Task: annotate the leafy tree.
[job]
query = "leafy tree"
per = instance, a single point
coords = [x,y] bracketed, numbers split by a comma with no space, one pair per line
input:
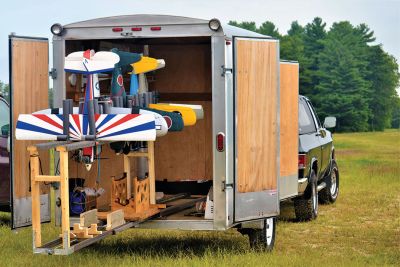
[266,28]
[292,48]
[366,33]
[384,78]
[395,123]
[342,90]
[314,35]
[342,71]
[295,29]
[248,25]
[269,28]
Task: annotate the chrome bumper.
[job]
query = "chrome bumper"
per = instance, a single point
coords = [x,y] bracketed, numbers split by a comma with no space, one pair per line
[302,185]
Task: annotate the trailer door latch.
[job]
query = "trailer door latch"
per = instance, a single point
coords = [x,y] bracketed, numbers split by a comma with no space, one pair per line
[225,70]
[53,73]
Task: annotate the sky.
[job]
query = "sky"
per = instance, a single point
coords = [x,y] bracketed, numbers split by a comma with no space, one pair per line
[34,18]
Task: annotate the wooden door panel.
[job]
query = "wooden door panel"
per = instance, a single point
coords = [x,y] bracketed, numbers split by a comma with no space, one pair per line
[256,102]
[29,58]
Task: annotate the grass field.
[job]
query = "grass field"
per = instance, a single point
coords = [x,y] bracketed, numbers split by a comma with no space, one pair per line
[361,228]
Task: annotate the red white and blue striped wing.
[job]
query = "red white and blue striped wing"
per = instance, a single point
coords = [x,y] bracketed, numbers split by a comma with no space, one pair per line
[109,127]
[39,127]
[125,127]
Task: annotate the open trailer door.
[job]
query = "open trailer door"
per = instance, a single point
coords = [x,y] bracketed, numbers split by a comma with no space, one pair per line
[256,78]
[289,133]
[29,85]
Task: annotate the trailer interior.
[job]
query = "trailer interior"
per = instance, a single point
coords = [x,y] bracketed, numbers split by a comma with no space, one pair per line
[183,160]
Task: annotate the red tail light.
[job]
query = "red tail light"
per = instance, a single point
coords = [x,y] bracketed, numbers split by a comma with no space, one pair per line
[136,29]
[157,28]
[118,29]
[302,161]
[220,142]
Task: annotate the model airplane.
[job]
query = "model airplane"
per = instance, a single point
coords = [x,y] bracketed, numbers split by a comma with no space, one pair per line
[87,125]
[187,113]
[144,65]
[134,63]
[121,123]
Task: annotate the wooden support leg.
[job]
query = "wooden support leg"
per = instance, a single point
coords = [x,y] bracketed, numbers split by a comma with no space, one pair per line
[141,198]
[152,175]
[35,187]
[64,197]
[127,170]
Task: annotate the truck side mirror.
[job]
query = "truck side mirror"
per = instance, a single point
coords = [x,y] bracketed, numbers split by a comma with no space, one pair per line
[5,130]
[330,122]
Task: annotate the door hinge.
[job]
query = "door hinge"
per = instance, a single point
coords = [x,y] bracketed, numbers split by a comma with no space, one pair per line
[225,70]
[53,73]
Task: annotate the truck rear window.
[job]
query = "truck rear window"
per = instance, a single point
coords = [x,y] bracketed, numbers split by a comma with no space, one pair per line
[306,123]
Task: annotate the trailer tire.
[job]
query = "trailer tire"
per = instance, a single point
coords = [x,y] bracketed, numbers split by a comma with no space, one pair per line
[263,239]
[306,206]
[329,194]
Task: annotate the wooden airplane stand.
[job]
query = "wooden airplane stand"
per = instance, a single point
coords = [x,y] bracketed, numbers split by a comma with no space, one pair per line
[36,179]
[139,204]
[138,208]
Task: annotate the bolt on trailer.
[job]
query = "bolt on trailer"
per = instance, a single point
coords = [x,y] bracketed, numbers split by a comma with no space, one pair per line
[228,162]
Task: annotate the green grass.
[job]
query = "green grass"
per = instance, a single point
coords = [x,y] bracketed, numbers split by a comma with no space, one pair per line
[361,228]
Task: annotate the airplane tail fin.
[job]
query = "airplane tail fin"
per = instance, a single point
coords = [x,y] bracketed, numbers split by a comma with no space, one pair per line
[80,62]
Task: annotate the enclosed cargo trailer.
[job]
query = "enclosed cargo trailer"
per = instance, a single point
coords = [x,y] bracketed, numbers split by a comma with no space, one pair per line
[234,152]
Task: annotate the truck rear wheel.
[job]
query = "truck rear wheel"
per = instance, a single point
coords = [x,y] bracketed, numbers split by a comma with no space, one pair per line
[263,239]
[306,206]
[330,193]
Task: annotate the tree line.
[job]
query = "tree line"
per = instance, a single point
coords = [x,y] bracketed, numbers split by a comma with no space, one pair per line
[343,72]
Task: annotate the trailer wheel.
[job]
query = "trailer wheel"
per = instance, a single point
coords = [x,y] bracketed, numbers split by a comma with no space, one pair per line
[263,239]
[306,206]
[330,193]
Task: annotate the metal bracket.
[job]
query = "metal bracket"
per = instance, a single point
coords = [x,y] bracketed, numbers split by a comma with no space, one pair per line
[225,70]
[53,73]
[55,185]
[225,186]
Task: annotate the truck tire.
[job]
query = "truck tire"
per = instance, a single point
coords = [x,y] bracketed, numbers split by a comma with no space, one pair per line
[330,193]
[306,206]
[263,239]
